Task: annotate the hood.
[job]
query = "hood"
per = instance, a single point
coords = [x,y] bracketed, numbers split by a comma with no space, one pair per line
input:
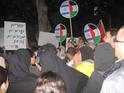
[19,63]
[86,53]
[50,62]
[104,57]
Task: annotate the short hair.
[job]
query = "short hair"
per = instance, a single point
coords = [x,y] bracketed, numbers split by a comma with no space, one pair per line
[31,52]
[50,47]
[50,82]
[82,38]
[71,51]
[113,31]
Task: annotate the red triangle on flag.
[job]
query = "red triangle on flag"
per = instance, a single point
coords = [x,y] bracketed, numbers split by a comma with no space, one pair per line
[70,9]
[61,33]
[102,30]
[91,32]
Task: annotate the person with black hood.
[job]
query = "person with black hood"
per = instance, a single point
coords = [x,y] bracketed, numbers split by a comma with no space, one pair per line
[104,59]
[74,80]
[20,78]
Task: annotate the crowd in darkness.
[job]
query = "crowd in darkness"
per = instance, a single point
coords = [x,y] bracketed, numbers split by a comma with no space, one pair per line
[82,68]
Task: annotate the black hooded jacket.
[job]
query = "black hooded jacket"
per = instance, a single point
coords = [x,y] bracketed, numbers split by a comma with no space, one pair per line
[74,80]
[104,60]
[20,79]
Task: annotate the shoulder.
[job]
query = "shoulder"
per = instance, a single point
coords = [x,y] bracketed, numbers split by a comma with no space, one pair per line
[114,82]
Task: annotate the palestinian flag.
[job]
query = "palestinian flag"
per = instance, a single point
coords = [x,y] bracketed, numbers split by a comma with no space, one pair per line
[69,9]
[92,33]
[60,32]
[102,30]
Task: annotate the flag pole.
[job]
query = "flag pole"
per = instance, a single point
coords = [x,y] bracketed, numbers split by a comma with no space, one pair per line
[71,28]
[60,43]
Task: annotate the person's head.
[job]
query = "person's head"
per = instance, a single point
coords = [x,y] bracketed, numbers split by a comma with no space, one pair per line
[71,43]
[119,44]
[19,64]
[70,53]
[110,35]
[50,47]
[80,41]
[3,76]
[33,56]
[85,53]
[50,82]
[61,52]
[103,57]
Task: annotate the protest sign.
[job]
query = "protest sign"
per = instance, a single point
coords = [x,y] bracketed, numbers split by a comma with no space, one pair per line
[14,35]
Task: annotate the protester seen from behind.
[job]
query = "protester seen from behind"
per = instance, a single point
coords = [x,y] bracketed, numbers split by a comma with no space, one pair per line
[50,82]
[114,83]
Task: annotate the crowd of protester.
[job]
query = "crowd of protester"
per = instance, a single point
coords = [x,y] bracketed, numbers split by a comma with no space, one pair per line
[82,67]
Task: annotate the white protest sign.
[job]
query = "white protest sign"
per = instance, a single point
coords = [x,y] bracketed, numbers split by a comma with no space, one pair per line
[1,37]
[14,35]
[46,37]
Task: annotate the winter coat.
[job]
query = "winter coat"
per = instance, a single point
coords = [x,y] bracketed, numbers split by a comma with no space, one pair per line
[74,80]
[20,78]
[103,61]
[115,82]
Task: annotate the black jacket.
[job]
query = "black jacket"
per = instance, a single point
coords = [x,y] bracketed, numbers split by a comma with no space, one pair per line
[20,78]
[74,80]
[104,60]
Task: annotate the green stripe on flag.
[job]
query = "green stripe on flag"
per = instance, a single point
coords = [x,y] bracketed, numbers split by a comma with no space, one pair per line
[97,39]
[74,13]
[63,38]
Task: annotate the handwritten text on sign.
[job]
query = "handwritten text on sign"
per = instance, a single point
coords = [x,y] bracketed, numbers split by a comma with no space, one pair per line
[15,35]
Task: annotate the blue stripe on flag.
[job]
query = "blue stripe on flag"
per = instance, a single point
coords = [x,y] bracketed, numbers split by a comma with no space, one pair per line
[57,29]
[65,13]
[86,30]
[65,6]
[89,39]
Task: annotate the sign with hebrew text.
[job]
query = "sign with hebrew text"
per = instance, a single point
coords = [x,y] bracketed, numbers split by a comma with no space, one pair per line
[14,35]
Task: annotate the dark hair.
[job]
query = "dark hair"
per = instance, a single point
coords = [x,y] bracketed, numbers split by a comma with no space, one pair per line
[82,38]
[71,51]
[31,52]
[50,82]
[113,31]
[50,47]
[3,75]
[87,53]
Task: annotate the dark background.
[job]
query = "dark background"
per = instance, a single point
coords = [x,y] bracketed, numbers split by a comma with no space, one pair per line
[110,11]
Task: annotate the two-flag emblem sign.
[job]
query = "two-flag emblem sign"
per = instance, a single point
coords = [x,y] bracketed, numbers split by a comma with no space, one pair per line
[69,9]
[60,32]
[92,33]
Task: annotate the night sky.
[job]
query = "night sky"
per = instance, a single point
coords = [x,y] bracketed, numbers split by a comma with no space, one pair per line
[110,11]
